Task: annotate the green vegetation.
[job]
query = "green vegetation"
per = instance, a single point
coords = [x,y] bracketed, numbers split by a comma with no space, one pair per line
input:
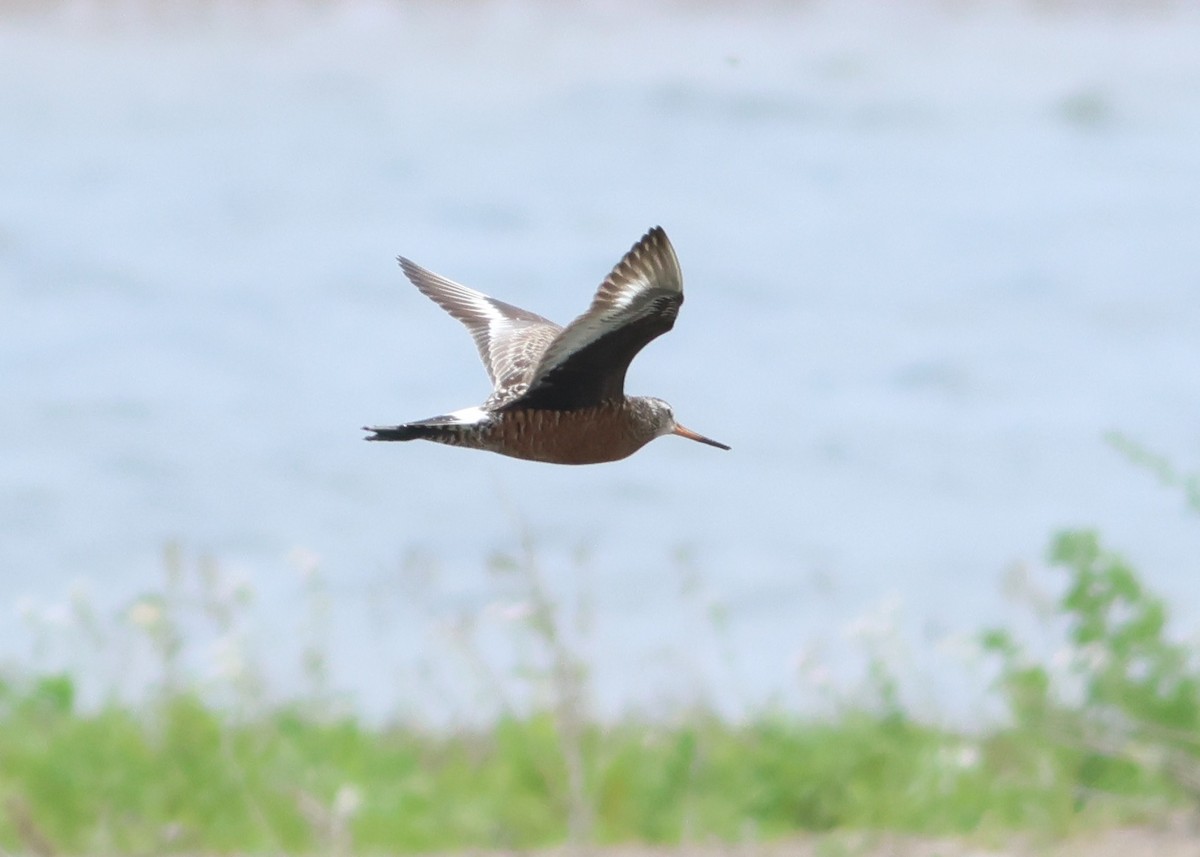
[1104,726]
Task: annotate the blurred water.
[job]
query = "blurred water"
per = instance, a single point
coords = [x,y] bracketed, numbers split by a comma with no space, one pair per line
[932,256]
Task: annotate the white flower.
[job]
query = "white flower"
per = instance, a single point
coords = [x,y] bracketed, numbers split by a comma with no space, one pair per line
[229,661]
[347,801]
[1093,656]
[305,561]
[58,615]
[876,625]
[26,609]
[510,611]
[967,757]
[146,614]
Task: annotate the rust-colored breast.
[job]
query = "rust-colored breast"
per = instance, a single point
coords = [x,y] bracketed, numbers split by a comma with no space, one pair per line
[608,432]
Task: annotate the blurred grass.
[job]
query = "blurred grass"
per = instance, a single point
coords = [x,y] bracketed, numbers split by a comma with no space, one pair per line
[1119,741]
[187,777]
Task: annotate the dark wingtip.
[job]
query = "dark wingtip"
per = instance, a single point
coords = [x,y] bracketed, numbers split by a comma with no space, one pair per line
[656,235]
[652,259]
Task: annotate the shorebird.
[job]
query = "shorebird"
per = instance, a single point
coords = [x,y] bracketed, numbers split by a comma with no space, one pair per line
[559,392]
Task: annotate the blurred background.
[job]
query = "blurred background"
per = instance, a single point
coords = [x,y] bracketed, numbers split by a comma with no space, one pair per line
[943,277]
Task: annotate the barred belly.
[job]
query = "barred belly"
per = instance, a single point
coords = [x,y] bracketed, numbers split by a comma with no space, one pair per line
[607,432]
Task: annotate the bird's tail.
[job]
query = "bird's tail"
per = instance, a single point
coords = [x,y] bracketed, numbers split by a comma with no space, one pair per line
[449,428]
[411,431]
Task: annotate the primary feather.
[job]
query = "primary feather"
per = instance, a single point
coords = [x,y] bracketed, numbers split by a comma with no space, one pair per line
[510,340]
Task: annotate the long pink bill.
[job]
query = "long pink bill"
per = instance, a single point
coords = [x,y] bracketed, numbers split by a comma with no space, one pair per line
[691,435]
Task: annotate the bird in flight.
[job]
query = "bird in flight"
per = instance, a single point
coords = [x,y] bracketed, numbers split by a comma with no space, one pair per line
[559,392]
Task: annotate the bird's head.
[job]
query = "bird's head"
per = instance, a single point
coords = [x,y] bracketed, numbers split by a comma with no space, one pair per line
[663,419]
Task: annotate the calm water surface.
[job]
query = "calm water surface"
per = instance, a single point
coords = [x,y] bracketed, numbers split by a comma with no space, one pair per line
[931,259]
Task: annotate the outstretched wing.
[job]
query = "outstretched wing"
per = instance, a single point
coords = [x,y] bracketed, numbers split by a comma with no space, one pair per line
[586,363]
[510,340]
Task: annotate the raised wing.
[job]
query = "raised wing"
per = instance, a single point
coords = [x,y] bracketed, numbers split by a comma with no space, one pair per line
[586,363]
[510,340]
